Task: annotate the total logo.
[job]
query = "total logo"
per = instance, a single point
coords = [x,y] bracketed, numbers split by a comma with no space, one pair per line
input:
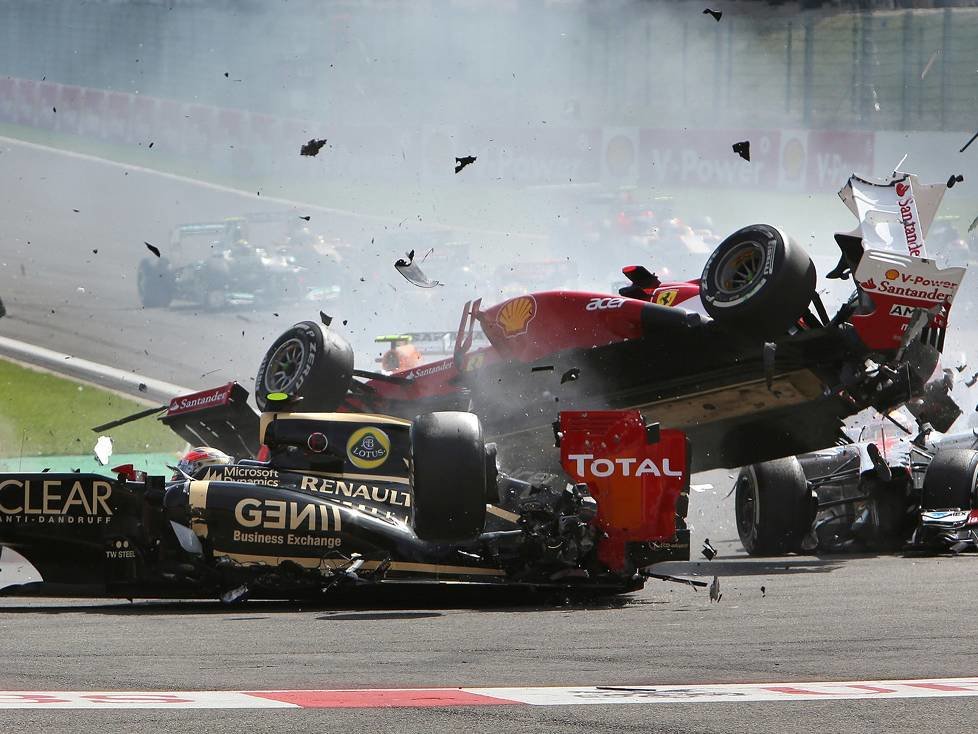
[586,464]
[604,304]
[368,447]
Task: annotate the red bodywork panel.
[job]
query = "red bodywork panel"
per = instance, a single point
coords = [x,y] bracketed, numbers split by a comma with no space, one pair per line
[898,285]
[675,294]
[537,325]
[636,483]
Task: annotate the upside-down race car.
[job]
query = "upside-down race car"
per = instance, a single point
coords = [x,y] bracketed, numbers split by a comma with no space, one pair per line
[348,498]
[745,359]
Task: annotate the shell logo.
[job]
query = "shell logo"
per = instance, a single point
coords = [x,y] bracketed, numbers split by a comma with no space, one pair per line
[515,316]
[892,274]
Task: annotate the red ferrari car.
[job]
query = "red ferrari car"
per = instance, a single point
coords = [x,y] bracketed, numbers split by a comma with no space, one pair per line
[737,383]
[744,359]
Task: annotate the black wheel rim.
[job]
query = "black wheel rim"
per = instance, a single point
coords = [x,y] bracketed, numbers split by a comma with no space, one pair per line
[740,269]
[284,365]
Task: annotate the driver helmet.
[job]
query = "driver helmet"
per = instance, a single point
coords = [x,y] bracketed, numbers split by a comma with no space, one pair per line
[197,458]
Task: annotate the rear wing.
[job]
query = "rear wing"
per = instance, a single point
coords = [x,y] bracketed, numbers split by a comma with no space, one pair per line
[220,418]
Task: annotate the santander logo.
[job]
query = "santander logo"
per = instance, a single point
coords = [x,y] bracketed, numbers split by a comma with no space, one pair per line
[901,189]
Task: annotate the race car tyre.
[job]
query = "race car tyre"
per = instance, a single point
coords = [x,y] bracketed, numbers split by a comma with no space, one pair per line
[951,481]
[758,281]
[215,281]
[307,361]
[774,506]
[448,466]
[154,281]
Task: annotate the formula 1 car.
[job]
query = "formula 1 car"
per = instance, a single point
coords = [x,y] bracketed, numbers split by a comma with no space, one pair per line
[886,494]
[346,499]
[214,264]
[733,357]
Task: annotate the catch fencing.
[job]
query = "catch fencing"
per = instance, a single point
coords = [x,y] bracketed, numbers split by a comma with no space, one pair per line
[564,63]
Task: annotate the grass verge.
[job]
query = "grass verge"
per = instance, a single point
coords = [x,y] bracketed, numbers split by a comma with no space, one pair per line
[42,414]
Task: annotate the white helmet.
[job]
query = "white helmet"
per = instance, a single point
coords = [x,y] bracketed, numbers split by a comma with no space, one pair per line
[197,458]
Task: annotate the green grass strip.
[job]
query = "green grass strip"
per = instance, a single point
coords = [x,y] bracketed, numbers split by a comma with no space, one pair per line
[42,414]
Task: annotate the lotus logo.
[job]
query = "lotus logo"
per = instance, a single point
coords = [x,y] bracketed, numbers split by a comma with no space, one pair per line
[368,447]
[892,274]
[901,189]
[515,315]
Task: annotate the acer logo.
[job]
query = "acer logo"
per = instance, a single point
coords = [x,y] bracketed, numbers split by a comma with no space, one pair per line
[587,464]
[604,304]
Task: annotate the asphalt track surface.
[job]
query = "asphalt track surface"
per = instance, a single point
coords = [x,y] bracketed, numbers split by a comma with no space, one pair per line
[829,618]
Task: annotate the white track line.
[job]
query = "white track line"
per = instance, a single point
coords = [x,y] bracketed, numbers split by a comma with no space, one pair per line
[190,180]
[100,374]
[297,205]
[535,696]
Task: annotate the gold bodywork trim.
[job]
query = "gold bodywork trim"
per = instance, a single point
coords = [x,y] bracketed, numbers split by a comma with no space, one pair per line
[328,474]
[359,477]
[738,400]
[453,570]
[504,514]
[309,562]
[198,503]
[731,401]
[388,420]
